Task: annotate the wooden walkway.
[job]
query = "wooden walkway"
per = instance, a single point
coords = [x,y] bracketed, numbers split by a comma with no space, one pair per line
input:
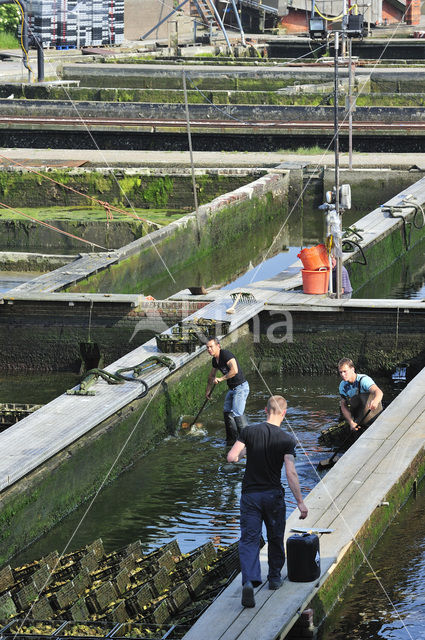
[344,500]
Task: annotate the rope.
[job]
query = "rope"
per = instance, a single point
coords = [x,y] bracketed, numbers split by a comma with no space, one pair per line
[118,378]
[106,205]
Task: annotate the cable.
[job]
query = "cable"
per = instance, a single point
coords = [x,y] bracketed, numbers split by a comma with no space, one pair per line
[49,226]
[338,510]
[106,205]
[359,247]
[28,66]
[336,18]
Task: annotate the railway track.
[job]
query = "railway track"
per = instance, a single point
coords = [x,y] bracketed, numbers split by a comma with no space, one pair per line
[205,124]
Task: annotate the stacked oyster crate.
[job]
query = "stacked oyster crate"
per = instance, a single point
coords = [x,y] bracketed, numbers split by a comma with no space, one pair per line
[186,336]
[67,24]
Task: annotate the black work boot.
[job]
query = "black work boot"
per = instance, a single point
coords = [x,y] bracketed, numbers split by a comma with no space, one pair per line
[231,428]
[241,423]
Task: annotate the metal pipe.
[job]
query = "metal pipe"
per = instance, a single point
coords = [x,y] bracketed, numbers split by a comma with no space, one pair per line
[350,106]
[220,22]
[336,147]
[238,20]
[195,195]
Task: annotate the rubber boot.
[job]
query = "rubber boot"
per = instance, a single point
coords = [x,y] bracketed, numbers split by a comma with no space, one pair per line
[241,423]
[231,428]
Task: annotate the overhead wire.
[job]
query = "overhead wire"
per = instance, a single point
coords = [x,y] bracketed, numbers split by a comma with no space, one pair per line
[50,226]
[326,151]
[337,508]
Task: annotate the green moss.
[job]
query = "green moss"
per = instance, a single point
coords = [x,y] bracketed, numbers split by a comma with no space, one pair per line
[158,191]
[366,539]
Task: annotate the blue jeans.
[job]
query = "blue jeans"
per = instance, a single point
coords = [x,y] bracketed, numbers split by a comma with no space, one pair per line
[256,508]
[235,399]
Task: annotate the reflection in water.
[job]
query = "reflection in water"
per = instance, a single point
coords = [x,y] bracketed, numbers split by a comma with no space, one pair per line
[11,279]
[386,601]
[35,388]
[183,488]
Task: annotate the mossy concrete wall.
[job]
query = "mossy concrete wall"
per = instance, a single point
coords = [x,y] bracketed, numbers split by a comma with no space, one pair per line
[122,188]
[144,189]
[221,226]
[384,252]
[377,340]
[137,110]
[366,539]
[45,335]
[37,502]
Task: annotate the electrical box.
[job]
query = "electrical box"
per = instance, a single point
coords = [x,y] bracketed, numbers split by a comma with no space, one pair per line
[355,26]
[317,28]
[344,196]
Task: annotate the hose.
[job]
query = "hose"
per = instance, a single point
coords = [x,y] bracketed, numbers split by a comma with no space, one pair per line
[407,225]
[118,378]
[355,244]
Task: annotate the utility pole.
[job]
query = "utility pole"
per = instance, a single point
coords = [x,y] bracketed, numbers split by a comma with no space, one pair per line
[336,149]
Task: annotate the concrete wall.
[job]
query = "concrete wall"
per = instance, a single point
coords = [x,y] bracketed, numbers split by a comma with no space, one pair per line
[46,335]
[376,340]
[245,113]
[142,15]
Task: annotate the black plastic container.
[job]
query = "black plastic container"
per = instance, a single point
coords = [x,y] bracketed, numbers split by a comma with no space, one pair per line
[303,557]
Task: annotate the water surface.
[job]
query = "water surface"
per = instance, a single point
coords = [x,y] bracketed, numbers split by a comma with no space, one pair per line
[386,600]
[183,488]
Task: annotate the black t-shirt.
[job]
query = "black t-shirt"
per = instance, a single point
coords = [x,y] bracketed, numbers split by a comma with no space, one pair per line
[221,364]
[266,446]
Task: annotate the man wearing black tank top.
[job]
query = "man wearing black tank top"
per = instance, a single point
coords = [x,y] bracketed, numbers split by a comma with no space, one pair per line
[238,388]
[267,448]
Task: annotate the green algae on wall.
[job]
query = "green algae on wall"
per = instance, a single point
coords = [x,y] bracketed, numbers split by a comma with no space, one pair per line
[117,187]
[366,539]
[383,253]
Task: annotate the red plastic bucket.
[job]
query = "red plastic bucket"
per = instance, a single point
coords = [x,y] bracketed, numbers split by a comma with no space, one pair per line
[316,281]
[314,257]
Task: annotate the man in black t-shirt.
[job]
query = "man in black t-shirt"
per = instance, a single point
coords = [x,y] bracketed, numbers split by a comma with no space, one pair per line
[267,448]
[238,388]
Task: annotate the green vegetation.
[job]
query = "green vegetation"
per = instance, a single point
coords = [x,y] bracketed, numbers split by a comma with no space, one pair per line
[9,17]
[84,214]
[8,40]
[306,151]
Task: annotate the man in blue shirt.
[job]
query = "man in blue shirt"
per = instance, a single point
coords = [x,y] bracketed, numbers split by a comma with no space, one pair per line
[359,395]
